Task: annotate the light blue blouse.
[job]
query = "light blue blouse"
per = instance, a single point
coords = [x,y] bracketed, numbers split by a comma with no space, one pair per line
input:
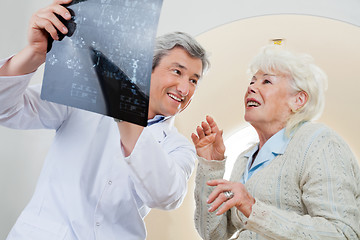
[273,147]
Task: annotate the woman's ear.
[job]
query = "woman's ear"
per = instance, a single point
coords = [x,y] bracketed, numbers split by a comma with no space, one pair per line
[299,100]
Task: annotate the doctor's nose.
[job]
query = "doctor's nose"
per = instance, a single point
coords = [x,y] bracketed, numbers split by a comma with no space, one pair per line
[183,87]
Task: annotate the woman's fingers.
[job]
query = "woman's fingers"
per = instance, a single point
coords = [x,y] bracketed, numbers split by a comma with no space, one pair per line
[200,132]
[206,128]
[212,124]
[220,199]
[228,204]
[221,186]
[216,182]
[240,198]
[209,126]
[208,143]
[195,139]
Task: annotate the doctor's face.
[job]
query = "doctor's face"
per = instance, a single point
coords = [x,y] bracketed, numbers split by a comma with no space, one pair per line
[173,83]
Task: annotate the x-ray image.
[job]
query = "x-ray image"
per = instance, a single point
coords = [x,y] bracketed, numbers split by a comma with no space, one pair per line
[104,63]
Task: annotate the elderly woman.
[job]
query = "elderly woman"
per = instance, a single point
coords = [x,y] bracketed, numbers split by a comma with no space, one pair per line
[300,181]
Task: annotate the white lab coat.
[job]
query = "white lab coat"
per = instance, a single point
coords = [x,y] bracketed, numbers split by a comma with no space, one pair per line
[87,189]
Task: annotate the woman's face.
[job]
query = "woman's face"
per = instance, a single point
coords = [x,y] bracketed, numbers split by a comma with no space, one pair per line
[268,100]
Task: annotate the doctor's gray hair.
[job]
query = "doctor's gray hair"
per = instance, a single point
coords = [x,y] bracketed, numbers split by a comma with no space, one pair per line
[304,76]
[167,42]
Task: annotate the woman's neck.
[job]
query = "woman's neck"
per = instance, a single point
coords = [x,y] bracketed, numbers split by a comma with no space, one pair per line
[266,133]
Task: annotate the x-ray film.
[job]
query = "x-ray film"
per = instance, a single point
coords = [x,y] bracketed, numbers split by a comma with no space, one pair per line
[104,63]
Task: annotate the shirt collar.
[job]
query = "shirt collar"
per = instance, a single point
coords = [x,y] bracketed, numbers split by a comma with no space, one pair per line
[277,143]
[274,146]
[157,119]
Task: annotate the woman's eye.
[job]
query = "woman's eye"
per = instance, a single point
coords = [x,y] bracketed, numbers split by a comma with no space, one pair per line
[266,81]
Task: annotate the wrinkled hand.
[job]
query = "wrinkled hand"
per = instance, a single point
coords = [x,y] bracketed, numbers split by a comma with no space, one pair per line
[208,142]
[45,22]
[241,199]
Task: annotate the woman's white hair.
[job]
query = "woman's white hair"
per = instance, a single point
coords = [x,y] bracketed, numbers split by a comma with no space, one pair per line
[304,76]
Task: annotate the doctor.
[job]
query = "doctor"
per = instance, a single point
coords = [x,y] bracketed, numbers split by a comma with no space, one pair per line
[101,177]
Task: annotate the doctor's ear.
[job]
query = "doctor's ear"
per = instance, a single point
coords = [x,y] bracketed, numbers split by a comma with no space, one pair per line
[299,100]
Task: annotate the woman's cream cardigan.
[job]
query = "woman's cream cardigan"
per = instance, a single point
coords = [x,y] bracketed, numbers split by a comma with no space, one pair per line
[312,191]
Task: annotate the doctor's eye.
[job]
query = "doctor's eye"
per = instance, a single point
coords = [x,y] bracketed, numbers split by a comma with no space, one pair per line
[176,71]
[194,81]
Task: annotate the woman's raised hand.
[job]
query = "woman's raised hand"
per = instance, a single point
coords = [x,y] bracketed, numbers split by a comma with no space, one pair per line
[208,141]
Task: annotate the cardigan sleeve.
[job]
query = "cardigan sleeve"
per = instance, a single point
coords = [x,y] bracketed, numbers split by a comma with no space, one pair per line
[209,225]
[329,181]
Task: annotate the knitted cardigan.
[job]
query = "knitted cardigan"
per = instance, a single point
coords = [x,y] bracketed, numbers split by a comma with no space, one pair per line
[312,191]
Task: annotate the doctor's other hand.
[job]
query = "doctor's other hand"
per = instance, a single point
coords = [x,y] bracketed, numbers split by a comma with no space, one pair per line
[208,140]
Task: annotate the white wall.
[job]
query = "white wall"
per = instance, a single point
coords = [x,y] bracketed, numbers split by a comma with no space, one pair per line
[22,152]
